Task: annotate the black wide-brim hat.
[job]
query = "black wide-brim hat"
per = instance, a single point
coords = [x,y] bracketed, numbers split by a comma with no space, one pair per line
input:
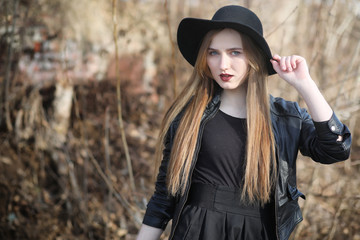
[191,31]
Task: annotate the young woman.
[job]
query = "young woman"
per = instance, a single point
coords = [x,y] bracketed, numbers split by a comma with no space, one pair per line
[227,151]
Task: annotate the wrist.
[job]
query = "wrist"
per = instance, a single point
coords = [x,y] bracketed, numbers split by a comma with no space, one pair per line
[315,101]
[306,87]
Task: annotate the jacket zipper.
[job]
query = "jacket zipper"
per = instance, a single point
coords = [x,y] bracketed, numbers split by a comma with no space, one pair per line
[192,170]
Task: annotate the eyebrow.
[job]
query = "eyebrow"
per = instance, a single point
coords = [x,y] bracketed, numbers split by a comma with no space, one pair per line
[229,49]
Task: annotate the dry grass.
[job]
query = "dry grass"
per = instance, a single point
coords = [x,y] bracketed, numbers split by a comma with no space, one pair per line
[74,183]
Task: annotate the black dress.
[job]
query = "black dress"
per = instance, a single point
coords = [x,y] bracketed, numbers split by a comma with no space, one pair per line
[214,210]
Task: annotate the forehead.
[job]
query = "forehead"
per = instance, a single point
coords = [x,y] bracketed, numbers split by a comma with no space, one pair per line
[227,38]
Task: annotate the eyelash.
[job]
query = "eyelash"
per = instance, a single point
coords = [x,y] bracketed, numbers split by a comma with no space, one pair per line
[212,53]
[233,53]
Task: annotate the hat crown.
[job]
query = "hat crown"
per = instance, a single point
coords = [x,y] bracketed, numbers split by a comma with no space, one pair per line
[239,15]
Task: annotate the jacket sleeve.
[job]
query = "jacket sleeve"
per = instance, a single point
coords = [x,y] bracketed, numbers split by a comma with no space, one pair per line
[325,142]
[161,205]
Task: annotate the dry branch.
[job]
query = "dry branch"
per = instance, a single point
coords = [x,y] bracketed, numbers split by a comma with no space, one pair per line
[9,60]
[107,167]
[335,220]
[118,91]
[306,206]
[68,194]
[116,192]
[354,57]
[282,23]
[172,44]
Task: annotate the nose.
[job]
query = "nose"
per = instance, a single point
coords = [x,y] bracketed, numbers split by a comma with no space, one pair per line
[224,62]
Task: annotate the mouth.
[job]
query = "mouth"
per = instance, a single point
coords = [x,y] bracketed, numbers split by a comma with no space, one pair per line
[226,77]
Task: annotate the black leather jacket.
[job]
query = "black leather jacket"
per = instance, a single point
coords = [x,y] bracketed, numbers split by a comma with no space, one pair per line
[293,130]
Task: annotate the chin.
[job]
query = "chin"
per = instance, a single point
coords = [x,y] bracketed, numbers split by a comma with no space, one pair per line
[228,86]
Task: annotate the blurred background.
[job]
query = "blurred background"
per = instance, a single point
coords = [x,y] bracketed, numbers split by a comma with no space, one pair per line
[84,86]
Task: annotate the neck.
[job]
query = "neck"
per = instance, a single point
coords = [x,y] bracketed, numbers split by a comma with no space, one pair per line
[233,102]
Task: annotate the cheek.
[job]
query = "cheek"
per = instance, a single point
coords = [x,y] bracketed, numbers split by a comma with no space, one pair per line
[243,65]
[211,64]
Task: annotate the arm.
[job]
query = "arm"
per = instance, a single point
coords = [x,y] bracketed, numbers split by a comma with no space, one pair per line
[160,208]
[325,142]
[324,138]
[149,233]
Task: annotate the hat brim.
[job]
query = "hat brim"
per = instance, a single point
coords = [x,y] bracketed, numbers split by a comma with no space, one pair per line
[191,31]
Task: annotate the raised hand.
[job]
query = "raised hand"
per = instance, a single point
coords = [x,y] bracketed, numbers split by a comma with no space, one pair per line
[293,69]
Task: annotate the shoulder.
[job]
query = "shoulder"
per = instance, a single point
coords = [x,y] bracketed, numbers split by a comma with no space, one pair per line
[213,104]
[282,107]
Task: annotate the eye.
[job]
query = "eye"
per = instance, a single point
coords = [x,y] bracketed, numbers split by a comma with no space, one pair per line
[235,53]
[212,53]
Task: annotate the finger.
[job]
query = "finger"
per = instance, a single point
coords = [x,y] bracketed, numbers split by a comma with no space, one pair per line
[294,59]
[275,65]
[282,63]
[288,64]
[276,57]
[300,60]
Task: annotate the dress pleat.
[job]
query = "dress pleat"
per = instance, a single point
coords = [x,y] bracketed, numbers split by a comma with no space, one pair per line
[198,223]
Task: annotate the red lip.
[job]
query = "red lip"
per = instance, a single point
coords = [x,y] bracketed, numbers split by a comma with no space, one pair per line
[225,77]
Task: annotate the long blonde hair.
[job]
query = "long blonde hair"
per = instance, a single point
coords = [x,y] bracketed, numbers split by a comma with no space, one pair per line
[260,170]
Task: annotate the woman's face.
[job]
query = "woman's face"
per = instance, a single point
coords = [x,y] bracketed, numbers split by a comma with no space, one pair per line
[226,59]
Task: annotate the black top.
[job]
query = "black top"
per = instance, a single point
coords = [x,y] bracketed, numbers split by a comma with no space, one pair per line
[221,162]
[222,153]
